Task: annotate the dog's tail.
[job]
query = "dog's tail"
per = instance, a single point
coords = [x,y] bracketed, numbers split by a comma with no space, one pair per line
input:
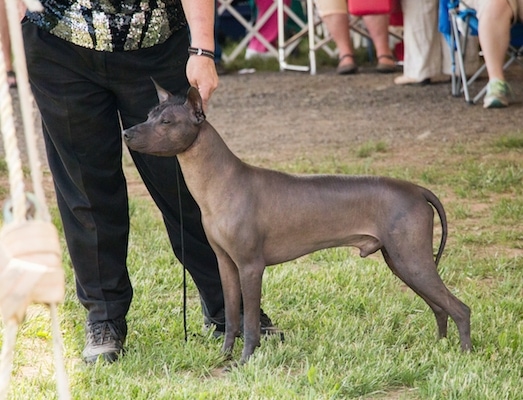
[436,203]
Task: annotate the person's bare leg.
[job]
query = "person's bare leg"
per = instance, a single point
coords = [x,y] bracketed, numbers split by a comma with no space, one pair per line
[378,27]
[338,27]
[494,35]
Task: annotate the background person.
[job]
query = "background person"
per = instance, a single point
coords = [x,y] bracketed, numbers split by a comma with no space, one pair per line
[334,14]
[426,55]
[495,18]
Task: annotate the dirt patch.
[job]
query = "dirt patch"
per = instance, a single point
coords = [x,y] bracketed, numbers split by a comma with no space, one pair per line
[276,116]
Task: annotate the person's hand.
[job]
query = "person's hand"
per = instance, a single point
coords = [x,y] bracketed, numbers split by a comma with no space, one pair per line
[201,73]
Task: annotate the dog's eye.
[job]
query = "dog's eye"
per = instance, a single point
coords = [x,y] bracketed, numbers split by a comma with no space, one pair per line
[166,121]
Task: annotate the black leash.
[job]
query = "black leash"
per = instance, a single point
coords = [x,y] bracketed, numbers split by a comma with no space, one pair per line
[182,256]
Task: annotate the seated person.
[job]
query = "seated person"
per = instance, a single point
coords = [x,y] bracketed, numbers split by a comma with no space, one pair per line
[334,14]
[495,18]
[427,58]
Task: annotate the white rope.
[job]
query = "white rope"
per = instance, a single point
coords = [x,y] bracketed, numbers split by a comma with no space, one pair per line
[24,280]
[16,177]
[27,102]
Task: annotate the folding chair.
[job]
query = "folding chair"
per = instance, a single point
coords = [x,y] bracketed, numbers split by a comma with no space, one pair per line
[458,22]
[251,29]
[312,28]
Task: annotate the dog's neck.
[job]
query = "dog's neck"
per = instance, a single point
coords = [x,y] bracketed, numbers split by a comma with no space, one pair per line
[208,164]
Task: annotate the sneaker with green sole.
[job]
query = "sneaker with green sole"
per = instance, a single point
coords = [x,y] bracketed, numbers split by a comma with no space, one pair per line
[497,94]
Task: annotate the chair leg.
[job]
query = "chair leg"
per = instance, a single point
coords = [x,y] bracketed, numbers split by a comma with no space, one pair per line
[285,46]
[312,37]
[460,51]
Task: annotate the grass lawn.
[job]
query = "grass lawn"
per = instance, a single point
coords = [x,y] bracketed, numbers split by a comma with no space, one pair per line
[352,329]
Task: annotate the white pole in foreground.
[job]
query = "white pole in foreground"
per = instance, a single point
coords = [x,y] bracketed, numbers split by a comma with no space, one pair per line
[30,256]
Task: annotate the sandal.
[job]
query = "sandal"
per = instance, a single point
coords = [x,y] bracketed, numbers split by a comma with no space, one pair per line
[348,68]
[385,68]
[11,79]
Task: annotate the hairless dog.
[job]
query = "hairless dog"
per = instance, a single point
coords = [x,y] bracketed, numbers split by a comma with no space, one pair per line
[255,217]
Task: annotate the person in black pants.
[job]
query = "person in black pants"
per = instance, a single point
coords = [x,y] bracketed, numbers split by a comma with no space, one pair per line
[90,70]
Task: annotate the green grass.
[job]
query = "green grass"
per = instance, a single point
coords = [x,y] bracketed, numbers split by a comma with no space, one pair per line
[511,141]
[369,148]
[352,329]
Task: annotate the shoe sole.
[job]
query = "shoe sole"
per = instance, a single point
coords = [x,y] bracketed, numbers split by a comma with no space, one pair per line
[347,70]
[386,69]
[424,82]
[109,357]
[495,104]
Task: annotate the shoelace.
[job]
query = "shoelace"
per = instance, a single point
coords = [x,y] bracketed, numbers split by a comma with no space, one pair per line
[102,332]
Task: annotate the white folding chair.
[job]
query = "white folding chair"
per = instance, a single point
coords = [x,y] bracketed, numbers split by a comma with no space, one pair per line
[312,28]
[252,29]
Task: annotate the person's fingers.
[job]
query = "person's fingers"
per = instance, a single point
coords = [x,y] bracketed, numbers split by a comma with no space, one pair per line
[201,73]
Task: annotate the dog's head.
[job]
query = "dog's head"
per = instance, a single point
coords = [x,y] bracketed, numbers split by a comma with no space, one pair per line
[171,127]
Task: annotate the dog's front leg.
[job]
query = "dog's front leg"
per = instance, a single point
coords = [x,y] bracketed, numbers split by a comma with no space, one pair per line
[232,297]
[251,284]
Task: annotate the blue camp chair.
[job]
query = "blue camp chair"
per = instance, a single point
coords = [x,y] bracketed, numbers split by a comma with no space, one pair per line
[450,13]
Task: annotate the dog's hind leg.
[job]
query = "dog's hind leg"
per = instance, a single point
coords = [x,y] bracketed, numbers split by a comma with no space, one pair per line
[440,314]
[421,275]
[441,317]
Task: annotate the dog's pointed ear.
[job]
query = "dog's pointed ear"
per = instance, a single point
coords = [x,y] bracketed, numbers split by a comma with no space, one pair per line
[163,95]
[194,102]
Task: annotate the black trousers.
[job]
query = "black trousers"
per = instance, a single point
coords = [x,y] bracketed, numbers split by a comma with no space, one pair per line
[85,97]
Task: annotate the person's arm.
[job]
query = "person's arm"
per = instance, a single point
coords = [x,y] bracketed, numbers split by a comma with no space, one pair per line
[201,70]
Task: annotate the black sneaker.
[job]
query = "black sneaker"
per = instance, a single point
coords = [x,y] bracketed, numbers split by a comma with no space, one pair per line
[266,327]
[104,339]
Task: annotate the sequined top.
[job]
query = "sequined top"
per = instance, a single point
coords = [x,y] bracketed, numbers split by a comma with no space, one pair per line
[110,25]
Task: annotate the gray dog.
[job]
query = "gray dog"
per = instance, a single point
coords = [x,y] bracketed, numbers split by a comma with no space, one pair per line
[254,217]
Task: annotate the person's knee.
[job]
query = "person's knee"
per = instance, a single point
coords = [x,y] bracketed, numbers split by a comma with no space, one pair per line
[500,11]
